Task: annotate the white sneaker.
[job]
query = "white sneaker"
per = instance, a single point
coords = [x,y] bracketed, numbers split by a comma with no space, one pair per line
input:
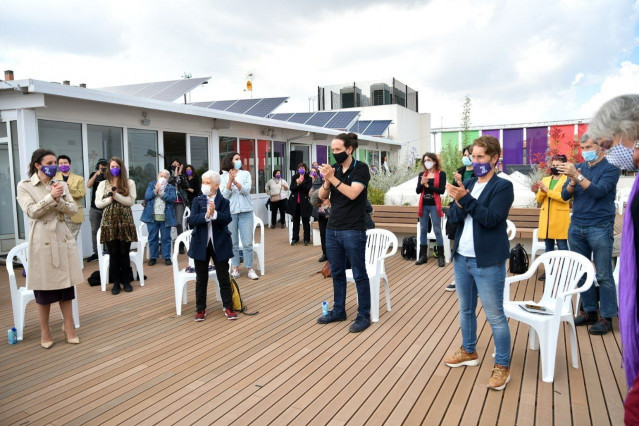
[236,273]
[252,275]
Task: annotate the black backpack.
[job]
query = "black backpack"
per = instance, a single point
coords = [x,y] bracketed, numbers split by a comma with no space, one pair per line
[518,263]
[409,248]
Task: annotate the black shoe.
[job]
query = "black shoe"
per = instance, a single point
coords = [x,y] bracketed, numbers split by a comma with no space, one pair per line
[586,318]
[331,317]
[441,262]
[116,289]
[272,226]
[542,277]
[601,327]
[152,262]
[283,226]
[423,255]
[306,243]
[168,262]
[451,287]
[128,288]
[92,258]
[360,324]
[294,242]
[323,258]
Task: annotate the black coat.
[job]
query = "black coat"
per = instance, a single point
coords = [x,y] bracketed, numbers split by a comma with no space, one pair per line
[305,205]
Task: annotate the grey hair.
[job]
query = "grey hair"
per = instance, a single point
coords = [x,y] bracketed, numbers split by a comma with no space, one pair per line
[215,176]
[618,116]
[584,138]
[164,171]
[315,199]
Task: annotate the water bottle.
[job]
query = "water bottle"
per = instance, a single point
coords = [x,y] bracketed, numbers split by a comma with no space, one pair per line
[324,308]
[13,336]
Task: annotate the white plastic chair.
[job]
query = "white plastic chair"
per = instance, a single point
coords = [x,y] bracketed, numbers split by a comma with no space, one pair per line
[622,199]
[536,245]
[136,257]
[258,248]
[511,230]
[185,219]
[181,277]
[380,244]
[564,269]
[21,296]
[431,236]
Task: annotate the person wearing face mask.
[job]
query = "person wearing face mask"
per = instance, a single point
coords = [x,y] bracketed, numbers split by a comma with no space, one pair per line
[431,184]
[321,210]
[346,182]
[77,191]
[95,214]
[54,267]
[618,121]
[554,218]
[180,182]
[299,206]
[236,187]
[115,195]
[159,216]
[277,190]
[211,240]
[194,183]
[592,185]
[480,251]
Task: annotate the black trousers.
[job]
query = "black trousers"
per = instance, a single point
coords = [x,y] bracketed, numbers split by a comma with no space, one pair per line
[323,221]
[119,261]
[202,279]
[296,225]
[275,207]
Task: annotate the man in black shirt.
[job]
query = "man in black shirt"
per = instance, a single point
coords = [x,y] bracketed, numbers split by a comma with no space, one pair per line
[346,183]
[95,214]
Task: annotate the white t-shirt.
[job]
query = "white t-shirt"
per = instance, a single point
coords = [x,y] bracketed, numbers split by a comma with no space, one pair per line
[466,245]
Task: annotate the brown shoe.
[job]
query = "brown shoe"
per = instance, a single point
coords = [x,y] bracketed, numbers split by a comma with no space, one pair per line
[499,378]
[461,358]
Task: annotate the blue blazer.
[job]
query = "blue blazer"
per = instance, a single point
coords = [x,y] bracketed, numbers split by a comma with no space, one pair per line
[222,243]
[169,198]
[489,213]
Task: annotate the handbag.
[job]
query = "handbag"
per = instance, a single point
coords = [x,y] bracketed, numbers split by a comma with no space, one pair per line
[326,270]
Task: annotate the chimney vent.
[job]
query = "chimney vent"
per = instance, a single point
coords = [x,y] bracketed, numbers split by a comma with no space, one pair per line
[8,75]
[66,82]
[83,85]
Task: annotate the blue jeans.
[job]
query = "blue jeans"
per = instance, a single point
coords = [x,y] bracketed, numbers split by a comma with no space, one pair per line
[340,246]
[154,229]
[242,223]
[561,244]
[437,226]
[488,282]
[596,242]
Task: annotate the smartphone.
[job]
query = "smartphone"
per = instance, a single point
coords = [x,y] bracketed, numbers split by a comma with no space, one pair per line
[536,307]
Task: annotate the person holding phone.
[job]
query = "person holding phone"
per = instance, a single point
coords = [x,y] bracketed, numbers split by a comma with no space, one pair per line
[298,205]
[95,214]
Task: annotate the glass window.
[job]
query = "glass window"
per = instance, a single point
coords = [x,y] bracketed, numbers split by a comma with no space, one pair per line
[247,154]
[374,156]
[15,153]
[143,154]
[63,138]
[264,170]
[200,154]
[227,145]
[103,142]
[3,130]
[321,154]
[279,158]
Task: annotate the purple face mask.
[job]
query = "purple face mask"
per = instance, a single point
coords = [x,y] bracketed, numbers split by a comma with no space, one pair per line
[278,176]
[65,168]
[115,171]
[313,174]
[481,169]
[50,171]
[302,171]
[189,172]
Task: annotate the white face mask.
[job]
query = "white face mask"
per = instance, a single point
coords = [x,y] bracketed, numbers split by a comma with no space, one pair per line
[621,156]
[162,180]
[428,164]
[206,190]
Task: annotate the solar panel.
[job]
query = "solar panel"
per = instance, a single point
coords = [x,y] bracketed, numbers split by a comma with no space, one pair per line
[222,105]
[265,106]
[161,90]
[125,90]
[377,128]
[178,89]
[301,117]
[320,118]
[342,120]
[359,126]
[202,104]
[242,105]
[283,116]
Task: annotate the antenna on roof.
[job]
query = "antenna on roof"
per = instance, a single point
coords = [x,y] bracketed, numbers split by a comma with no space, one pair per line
[186,75]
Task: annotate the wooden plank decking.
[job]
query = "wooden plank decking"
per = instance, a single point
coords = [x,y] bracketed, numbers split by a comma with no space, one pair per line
[140,363]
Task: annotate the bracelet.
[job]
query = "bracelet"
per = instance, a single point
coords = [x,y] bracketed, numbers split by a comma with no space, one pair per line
[340,182]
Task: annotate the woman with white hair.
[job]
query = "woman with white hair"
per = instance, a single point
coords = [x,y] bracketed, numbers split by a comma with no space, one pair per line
[211,240]
[159,216]
[616,127]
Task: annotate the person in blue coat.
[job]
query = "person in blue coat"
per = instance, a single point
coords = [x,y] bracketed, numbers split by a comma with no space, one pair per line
[159,216]
[211,239]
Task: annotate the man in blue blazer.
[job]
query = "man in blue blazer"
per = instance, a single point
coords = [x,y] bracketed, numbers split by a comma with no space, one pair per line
[211,239]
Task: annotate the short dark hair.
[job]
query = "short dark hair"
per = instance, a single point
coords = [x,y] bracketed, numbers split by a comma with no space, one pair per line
[64,157]
[468,148]
[349,139]
[275,172]
[101,162]
[432,156]
[36,158]
[560,157]
[227,162]
[303,165]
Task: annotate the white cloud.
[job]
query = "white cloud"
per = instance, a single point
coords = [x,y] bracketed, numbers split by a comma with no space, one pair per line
[624,81]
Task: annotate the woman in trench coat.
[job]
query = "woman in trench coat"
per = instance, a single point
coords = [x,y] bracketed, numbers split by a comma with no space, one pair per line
[54,266]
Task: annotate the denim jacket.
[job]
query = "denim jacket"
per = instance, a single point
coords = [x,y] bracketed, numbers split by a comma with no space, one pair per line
[169,198]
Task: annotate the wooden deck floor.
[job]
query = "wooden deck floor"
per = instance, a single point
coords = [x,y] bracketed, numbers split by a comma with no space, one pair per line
[140,363]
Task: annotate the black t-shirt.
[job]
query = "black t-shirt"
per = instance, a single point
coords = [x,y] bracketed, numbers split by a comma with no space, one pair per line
[97,181]
[346,213]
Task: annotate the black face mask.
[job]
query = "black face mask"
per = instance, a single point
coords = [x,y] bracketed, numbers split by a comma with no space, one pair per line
[173,168]
[340,157]
[554,171]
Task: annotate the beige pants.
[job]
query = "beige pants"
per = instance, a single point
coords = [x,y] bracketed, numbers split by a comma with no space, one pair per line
[73,227]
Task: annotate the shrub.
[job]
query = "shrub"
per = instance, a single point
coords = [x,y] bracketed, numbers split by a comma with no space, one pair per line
[381,182]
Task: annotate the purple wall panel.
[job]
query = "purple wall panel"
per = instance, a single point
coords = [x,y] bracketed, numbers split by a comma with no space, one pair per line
[513,146]
[536,142]
[494,133]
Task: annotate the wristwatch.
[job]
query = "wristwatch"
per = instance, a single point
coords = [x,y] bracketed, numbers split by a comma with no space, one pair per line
[580,177]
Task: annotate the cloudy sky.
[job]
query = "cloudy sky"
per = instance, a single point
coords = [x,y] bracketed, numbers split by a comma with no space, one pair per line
[519,61]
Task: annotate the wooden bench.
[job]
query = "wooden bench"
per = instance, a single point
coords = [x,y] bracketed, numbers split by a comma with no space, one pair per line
[526,221]
[397,219]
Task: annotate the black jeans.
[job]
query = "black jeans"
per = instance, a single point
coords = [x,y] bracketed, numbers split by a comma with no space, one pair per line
[119,262]
[323,221]
[275,207]
[202,279]
[296,225]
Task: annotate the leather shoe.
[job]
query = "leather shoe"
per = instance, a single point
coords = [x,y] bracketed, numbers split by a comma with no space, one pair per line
[168,262]
[116,289]
[323,258]
[152,262]
[360,324]
[128,287]
[331,317]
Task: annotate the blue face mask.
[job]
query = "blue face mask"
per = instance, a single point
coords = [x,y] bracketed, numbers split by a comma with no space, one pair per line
[467,161]
[237,164]
[589,156]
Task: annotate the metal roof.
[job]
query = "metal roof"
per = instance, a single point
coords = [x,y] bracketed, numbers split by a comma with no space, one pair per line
[161,90]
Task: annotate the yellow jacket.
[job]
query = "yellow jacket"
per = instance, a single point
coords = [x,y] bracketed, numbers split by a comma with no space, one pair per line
[78,190]
[554,218]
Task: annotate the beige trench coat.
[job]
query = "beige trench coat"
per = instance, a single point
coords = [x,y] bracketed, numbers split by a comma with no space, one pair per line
[53,253]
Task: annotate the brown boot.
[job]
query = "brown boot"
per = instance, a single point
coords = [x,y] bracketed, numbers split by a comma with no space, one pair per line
[499,378]
[461,358]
